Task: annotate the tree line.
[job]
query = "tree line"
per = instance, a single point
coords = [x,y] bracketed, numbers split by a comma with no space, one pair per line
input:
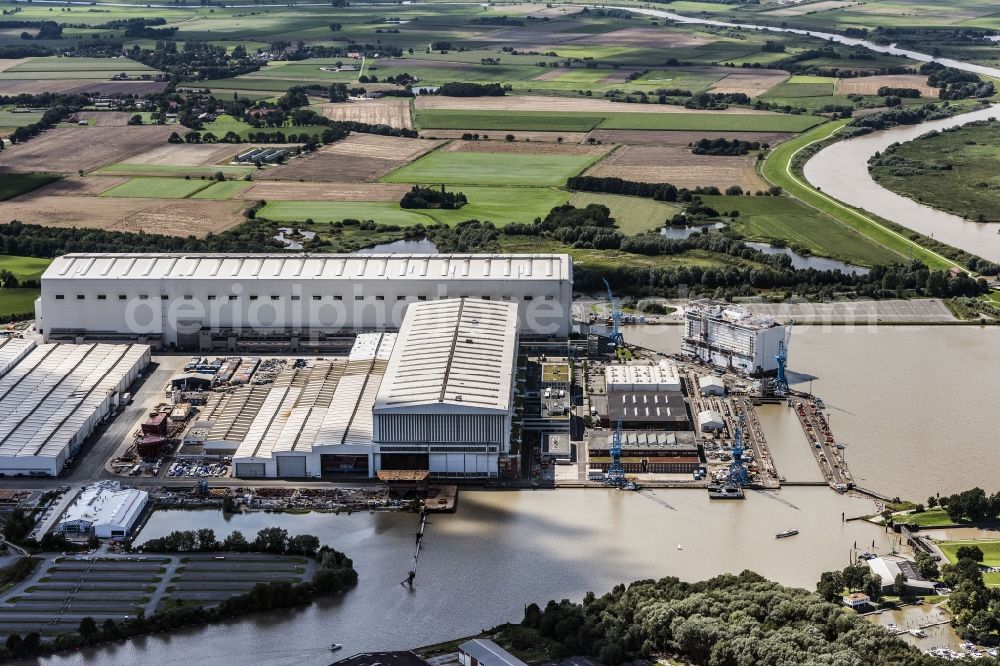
[274,540]
[729,620]
[731,147]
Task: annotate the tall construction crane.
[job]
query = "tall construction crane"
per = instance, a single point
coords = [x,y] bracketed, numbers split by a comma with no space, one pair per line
[615,475]
[781,380]
[737,476]
[617,339]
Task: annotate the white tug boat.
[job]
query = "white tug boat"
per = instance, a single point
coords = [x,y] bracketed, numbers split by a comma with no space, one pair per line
[786,534]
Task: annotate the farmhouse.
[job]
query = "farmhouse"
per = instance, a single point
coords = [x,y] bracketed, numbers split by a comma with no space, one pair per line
[285,303]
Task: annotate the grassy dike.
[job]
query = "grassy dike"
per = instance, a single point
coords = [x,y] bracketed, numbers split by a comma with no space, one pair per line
[777,170]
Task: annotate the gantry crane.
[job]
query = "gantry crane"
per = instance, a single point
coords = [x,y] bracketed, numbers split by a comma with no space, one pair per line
[781,379]
[615,475]
[616,337]
[737,476]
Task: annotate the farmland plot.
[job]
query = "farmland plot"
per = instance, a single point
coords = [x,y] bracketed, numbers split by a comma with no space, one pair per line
[391,111]
[677,165]
[358,158]
[71,149]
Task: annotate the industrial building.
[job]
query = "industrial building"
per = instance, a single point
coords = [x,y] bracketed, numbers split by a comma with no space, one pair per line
[888,569]
[648,452]
[711,385]
[446,403]
[53,398]
[104,509]
[645,397]
[12,350]
[313,421]
[729,336]
[285,302]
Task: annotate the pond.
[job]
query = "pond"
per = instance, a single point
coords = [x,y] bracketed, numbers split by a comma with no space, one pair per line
[408,246]
[292,237]
[801,261]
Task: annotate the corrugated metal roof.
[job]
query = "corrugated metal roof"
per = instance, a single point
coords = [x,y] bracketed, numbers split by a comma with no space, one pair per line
[51,395]
[13,350]
[327,404]
[309,266]
[458,351]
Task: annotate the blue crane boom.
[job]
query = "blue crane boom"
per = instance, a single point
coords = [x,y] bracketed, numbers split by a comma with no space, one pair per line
[617,339]
[781,379]
[616,471]
[737,476]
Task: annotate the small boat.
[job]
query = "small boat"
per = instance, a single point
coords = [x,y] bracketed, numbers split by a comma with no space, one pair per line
[918,633]
[786,534]
[336,646]
[725,492]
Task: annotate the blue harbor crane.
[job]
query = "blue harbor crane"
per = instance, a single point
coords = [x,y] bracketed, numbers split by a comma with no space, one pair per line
[615,475]
[781,380]
[616,337]
[737,476]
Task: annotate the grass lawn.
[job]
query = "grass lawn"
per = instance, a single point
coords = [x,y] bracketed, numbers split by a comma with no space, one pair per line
[768,218]
[991,550]
[502,205]
[490,169]
[123,168]
[777,170]
[384,212]
[11,119]
[489,120]
[15,184]
[221,190]
[157,188]
[928,518]
[17,301]
[634,215]
[583,122]
[27,268]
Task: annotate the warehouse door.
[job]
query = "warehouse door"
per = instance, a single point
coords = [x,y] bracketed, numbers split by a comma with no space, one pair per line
[188,334]
[249,470]
[291,466]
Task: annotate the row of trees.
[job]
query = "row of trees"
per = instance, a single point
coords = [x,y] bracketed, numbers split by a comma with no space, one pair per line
[725,146]
[273,540]
[429,197]
[469,89]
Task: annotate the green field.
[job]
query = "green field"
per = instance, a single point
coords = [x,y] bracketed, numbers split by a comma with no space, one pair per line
[955,171]
[19,119]
[17,301]
[126,169]
[223,190]
[499,205]
[489,120]
[928,518]
[633,215]
[461,168]
[991,550]
[583,122]
[26,268]
[769,218]
[384,212]
[157,188]
[15,184]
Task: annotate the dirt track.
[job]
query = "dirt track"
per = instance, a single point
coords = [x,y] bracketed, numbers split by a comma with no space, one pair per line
[175,217]
[677,165]
[869,85]
[562,104]
[70,149]
[358,158]
[750,84]
[681,138]
[290,191]
[391,111]
[525,148]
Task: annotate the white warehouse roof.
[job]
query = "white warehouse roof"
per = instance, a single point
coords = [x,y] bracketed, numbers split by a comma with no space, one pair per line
[662,377]
[51,400]
[104,507]
[710,420]
[457,351]
[229,267]
[12,350]
[712,385]
[327,404]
